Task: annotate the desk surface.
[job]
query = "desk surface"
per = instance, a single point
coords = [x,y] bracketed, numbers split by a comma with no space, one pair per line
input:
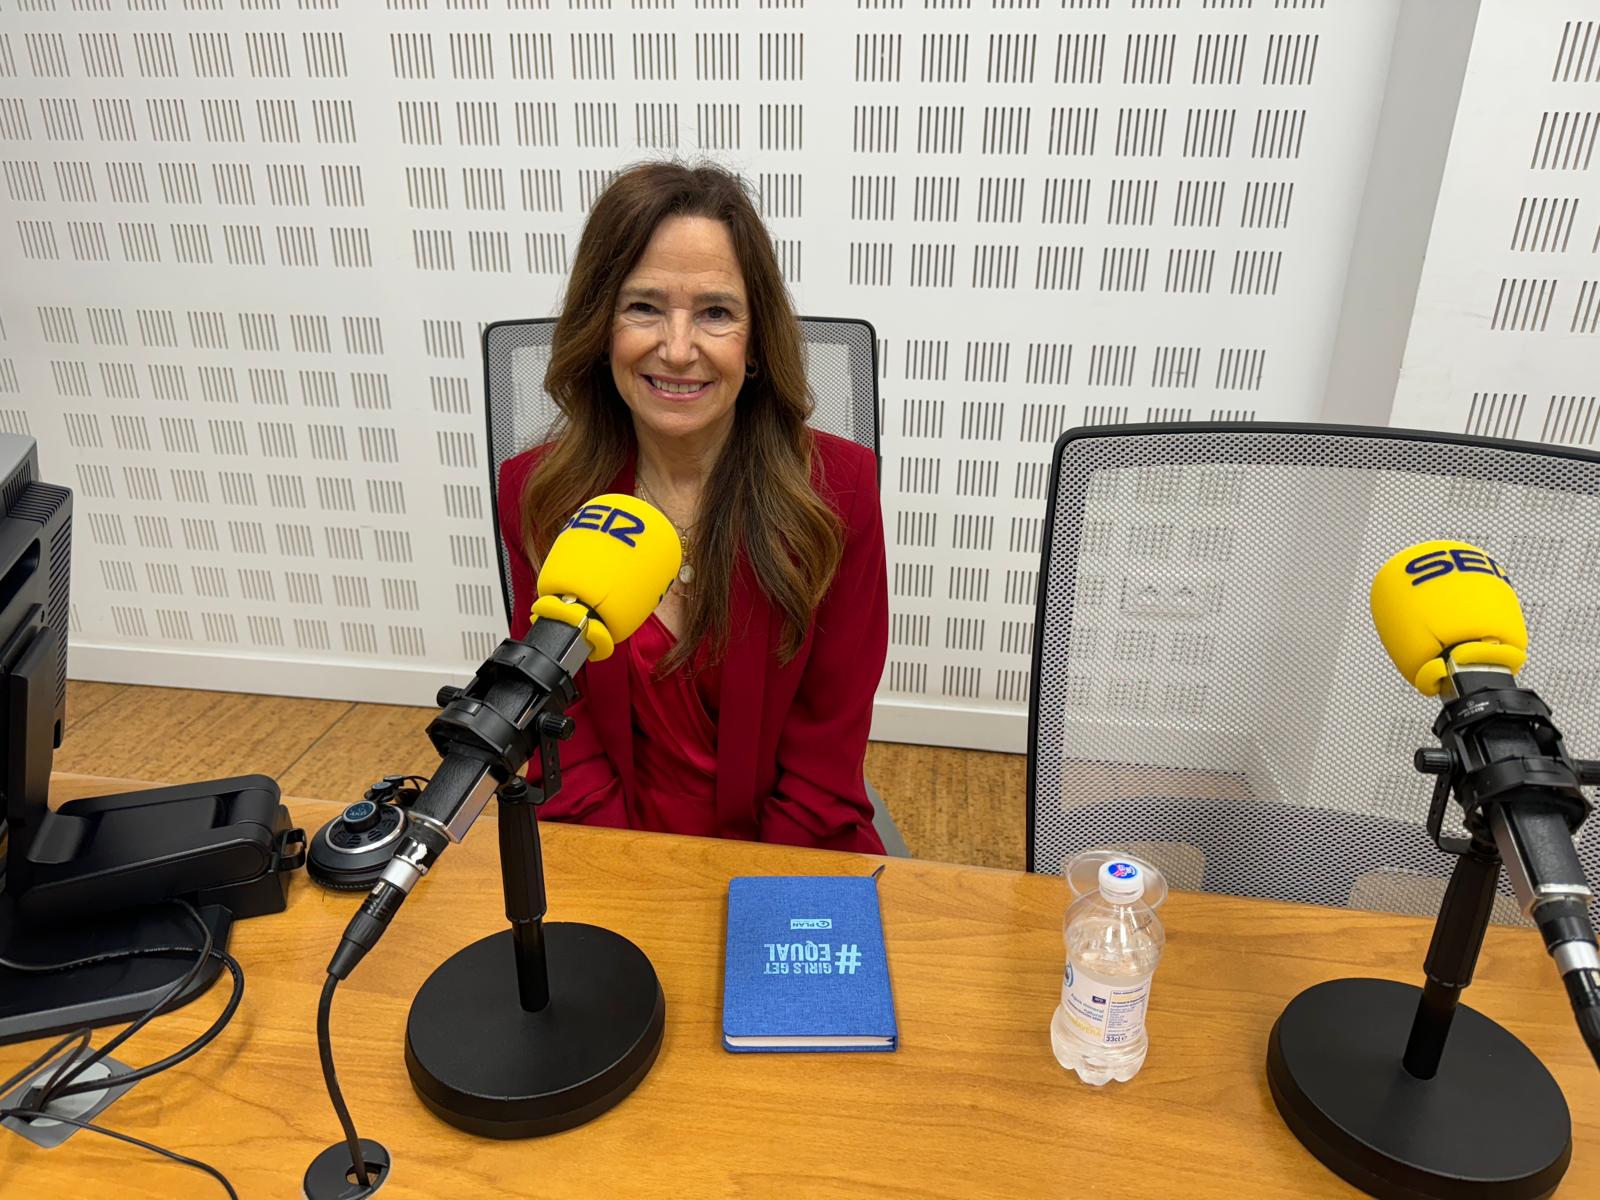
[972,1105]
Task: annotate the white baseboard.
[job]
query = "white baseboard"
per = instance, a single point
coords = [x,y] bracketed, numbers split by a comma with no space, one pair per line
[380,683]
[371,683]
[999,729]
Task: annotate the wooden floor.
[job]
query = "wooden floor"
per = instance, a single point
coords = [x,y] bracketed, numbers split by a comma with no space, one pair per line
[964,806]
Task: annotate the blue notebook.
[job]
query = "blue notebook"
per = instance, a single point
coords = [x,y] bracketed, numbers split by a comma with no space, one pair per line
[806,968]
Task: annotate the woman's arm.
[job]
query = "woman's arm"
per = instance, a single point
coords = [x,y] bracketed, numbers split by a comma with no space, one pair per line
[820,797]
[591,792]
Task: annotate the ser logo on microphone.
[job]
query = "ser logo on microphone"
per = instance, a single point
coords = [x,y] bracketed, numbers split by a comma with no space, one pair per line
[618,522]
[1438,563]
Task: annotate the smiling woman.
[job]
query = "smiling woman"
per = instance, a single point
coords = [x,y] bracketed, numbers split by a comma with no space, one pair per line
[741,709]
[679,348]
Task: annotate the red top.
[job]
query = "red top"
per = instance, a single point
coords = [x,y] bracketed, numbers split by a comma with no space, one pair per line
[674,737]
[749,747]
[674,740]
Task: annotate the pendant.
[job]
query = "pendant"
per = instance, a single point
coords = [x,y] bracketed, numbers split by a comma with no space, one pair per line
[686,574]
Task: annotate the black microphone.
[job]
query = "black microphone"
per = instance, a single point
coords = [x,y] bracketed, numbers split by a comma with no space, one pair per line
[1451,622]
[1516,782]
[485,734]
[601,579]
[604,575]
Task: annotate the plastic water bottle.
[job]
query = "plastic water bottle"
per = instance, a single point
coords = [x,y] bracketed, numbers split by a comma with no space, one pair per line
[1114,941]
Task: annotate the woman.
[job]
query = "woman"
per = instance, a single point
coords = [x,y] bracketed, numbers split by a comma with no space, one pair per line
[741,708]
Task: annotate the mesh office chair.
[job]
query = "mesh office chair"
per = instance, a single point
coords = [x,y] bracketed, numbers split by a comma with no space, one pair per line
[841,367]
[1209,687]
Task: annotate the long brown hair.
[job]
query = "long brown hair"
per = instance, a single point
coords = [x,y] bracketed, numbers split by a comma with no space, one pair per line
[758,499]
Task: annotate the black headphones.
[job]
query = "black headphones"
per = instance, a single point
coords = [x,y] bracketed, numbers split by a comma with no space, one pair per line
[350,852]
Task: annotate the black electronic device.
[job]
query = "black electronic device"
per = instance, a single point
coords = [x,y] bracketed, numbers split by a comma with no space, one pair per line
[350,852]
[94,876]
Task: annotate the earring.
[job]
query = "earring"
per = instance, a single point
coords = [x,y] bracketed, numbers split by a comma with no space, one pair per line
[751,370]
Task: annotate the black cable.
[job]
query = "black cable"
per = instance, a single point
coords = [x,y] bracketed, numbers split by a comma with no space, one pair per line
[42,1095]
[37,1100]
[55,1088]
[178,1056]
[173,1059]
[55,1091]
[33,1115]
[81,1036]
[90,960]
[358,1160]
[385,788]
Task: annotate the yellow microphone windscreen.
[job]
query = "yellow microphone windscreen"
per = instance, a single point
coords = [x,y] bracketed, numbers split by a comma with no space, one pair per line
[1446,596]
[615,558]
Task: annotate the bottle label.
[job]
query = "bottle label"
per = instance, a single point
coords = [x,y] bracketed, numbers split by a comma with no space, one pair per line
[1107,1012]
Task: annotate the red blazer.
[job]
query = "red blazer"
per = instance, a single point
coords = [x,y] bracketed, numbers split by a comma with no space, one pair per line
[791,737]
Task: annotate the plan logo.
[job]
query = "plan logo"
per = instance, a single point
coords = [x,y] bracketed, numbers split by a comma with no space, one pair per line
[810,922]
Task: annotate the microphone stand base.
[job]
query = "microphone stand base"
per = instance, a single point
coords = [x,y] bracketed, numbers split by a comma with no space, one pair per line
[483,1064]
[1491,1124]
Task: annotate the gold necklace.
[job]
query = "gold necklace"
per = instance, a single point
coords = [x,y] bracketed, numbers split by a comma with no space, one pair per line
[686,571]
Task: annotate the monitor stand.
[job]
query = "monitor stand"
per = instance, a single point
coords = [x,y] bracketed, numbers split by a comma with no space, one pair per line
[39,1005]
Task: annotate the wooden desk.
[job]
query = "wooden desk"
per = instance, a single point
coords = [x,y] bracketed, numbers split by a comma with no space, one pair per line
[973,1104]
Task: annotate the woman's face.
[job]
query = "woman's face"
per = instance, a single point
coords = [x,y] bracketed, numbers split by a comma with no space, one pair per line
[680,331]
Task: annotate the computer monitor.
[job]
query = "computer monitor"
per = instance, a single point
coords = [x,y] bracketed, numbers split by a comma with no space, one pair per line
[98,876]
[35,554]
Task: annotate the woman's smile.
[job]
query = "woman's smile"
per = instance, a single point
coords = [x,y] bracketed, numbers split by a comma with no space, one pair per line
[670,388]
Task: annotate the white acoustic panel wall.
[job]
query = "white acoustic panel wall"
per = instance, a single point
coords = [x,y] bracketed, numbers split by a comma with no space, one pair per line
[248,246]
[1505,340]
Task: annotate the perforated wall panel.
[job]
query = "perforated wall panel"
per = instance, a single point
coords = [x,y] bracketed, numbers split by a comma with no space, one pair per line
[248,245]
[1505,340]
